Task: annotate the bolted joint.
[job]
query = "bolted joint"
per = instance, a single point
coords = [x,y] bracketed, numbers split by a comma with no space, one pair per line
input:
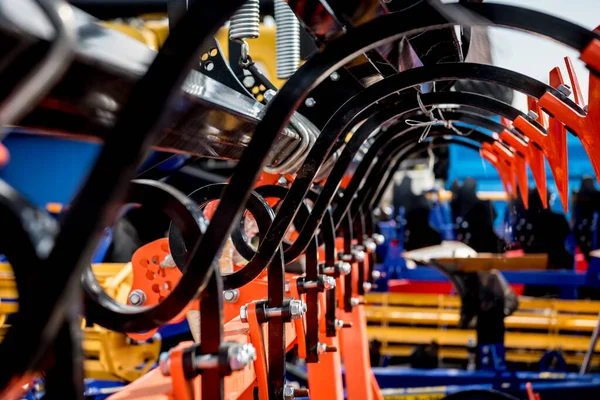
[231,296]
[328,282]
[239,356]
[355,301]
[269,94]
[290,392]
[376,275]
[564,89]
[378,238]
[244,313]
[340,323]
[297,309]
[323,348]
[370,246]
[367,286]
[137,298]
[345,268]
[322,283]
[359,255]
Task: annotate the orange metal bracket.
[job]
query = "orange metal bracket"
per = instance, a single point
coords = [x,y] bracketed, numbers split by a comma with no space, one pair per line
[535,156]
[553,144]
[585,126]
[257,340]
[155,280]
[487,154]
[299,324]
[521,159]
[182,389]
[506,157]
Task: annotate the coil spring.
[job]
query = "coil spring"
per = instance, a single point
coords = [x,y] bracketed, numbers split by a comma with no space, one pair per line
[288,40]
[245,22]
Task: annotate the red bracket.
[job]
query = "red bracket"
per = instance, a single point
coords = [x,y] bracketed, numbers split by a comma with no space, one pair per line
[506,157]
[487,154]
[553,143]
[521,152]
[585,126]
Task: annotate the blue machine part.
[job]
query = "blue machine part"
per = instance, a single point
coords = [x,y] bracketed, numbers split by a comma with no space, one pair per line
[96,389]
[550,385]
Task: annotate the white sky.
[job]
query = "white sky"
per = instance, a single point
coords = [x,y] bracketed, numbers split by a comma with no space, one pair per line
[536,56]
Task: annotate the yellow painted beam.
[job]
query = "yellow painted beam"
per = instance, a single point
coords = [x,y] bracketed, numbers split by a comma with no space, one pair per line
[456,337]
[518,320]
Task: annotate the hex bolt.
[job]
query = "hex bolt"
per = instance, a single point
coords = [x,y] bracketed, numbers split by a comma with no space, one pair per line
[269,94]
[379,239]
[347,257]
[367,286]
[345,268]
[287,286]
[359,255]
[334,76]
[533,115]
[168,262]
[290,392]
[328,282]
[297,309]
[282,181]
[355,301]
[376,275]
[137,298]
[231,296]
[323,348]
[370,246]
[240,356]
[244,313]
[310,102]
[564,89]
[340,323]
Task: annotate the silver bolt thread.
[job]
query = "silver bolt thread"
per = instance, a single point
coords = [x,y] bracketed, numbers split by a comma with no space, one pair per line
[245,22]
[287,38]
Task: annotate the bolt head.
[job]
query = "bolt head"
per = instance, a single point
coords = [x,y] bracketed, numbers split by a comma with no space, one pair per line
[137,298]
[339,324]
[564,89]
[231,296]
[310,102]
[288,392]
[328,282]
[240,356]
[370,246]
[321,348]
[345,268]
[297,309]
[335,76]
[378,238]
[367,286]
[533,115]
[282,181]
[376,275]
[269,94]
[354,301]
[244,313]
[359,255]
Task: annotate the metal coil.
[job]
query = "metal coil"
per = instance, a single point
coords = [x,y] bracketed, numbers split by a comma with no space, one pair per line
[245,22]
[288,40]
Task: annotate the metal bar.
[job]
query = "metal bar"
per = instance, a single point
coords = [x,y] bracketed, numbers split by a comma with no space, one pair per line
[585,366]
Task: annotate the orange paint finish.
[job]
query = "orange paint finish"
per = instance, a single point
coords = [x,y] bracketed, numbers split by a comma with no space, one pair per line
[585,126]
[355,353]
[521,151]
[157,282]
[325,377]
[488,155]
